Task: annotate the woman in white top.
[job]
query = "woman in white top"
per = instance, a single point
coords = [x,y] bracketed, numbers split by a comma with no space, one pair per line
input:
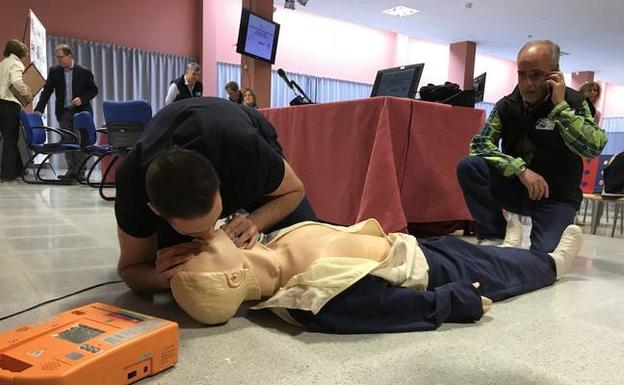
[11,83]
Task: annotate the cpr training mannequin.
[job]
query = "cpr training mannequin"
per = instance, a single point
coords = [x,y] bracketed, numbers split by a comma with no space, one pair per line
[359,280]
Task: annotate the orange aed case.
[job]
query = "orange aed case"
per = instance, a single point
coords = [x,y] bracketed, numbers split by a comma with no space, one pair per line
[96,344]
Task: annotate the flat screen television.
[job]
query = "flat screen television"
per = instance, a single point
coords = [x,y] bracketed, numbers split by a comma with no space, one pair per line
[257,36]
[398,81]
[478,85]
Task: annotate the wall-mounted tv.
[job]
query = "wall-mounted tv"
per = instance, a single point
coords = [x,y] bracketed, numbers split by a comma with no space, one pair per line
[257,36]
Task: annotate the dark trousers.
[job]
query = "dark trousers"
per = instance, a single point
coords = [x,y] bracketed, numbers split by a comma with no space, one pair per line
[11,164]
[372,305]
[73,158]
[487,192]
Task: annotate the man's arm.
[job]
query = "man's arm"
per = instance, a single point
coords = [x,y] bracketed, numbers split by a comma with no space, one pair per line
[146,269]
[136,264]
[48,88]
[171,94]
[91,90]
[244,231]
[285,200]
[579,132]
[485,145]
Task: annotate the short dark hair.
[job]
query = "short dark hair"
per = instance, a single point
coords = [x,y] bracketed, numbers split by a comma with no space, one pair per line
[16,48]
[65,48]
[232,85]
[182,184]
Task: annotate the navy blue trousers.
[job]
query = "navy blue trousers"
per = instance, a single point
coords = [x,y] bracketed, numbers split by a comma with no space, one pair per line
[372,305]
[487,192]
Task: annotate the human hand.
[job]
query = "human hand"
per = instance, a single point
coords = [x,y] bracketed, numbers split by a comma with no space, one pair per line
[171,259]
[556,82]
[242,231]
[77,102]
[486,303]
[535,184]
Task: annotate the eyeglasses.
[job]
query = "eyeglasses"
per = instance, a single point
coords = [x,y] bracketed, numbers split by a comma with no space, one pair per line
[60,57]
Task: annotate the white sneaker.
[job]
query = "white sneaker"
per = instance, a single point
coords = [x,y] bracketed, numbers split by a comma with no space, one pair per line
[513,233]
[567,249]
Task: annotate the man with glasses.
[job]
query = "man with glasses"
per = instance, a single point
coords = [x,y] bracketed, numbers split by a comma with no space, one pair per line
[74,88]
[545,129]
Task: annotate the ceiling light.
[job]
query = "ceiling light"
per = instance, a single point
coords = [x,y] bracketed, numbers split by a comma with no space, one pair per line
[400,11]
[302,2]
[289,4]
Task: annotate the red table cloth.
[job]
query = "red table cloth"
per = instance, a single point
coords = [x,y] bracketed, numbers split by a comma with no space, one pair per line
[387,158]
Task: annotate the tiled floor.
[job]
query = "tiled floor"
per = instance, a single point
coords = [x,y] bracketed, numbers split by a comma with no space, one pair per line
[59,239]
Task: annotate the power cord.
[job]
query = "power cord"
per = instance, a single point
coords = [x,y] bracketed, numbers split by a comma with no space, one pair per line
[58,299]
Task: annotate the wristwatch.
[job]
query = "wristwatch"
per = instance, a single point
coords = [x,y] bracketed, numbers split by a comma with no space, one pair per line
[521,169]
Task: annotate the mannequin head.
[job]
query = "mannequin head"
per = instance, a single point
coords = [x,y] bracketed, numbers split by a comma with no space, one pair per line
[213,292]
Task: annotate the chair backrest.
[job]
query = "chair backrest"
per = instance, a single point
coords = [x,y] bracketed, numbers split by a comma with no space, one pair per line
[34,131]
[125,121]
[83,122]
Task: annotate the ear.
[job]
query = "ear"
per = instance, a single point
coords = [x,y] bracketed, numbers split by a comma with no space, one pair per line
[154,209]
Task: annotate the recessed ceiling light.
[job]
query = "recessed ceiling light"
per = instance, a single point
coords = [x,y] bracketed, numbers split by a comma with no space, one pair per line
[400,11]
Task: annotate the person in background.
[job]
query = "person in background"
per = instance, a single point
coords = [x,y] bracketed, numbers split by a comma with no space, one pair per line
[234,93]
[545,129]
[186,86]
[11,70]
[592,91]
[74,88]
[249,98]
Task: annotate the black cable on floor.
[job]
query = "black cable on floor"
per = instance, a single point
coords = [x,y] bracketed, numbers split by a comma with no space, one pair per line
[58,299]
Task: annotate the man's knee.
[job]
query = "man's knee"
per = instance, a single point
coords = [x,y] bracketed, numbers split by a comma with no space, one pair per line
[469,165]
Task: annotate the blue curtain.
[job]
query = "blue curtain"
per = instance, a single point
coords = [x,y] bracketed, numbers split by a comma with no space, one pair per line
[613,124]
[320,90]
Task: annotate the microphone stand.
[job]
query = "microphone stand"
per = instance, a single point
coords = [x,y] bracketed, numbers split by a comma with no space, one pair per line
[301,93]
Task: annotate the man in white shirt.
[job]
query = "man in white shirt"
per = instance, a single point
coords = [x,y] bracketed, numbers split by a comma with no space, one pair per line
[186,86]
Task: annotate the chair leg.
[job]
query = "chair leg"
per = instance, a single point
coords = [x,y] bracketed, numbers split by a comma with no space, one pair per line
[622,219]
[38,179]
[92,169]
[585,213]
[103,182]
[615,219]
[597,208]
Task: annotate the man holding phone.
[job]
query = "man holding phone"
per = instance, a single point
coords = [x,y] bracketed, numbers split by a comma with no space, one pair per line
[545,129]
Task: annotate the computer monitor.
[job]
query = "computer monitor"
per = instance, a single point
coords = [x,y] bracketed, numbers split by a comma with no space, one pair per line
[257,36]
[478,86]
[398,81]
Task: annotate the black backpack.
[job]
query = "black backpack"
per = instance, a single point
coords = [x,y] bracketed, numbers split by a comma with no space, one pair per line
[614,175]
[433,93]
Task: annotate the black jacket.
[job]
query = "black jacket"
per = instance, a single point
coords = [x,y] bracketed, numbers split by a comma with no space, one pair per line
[83,87]
[183,91]
[544,150]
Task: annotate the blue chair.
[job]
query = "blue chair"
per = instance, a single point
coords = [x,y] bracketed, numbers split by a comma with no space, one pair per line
[83,122]
[124,124]
[35,134]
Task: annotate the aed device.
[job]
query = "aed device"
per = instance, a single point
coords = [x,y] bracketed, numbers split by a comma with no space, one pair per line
[96,344]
